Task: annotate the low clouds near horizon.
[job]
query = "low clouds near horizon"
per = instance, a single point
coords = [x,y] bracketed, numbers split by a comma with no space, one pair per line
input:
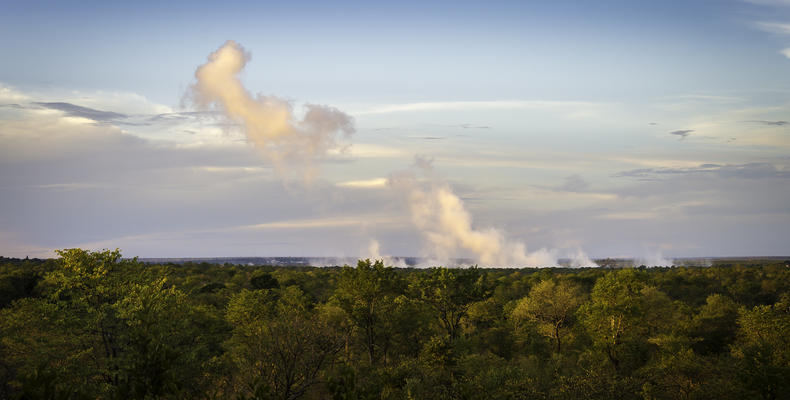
[82,176]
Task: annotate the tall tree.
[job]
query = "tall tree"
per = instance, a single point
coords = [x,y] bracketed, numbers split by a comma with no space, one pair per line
[450,292]
[367,294]
[279,346]
[623,312]
[119,331]
[552,306]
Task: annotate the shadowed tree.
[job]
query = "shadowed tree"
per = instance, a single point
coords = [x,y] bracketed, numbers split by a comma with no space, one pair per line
[264,280]
[279,346]
[715,326]
[450,292]
[763,348]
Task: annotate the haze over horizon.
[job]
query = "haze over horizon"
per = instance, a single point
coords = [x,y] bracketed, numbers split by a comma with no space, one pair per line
[507,132]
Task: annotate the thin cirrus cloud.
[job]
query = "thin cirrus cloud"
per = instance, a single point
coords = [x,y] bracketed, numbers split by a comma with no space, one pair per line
[742,171]
[770,123]
[782,28]
[479,105]
[83,112]
[327,222]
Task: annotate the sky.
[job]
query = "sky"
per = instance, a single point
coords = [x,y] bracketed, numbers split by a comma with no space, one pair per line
[511,133]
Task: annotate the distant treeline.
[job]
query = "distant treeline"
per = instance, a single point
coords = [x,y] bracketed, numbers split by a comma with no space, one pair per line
[92,325]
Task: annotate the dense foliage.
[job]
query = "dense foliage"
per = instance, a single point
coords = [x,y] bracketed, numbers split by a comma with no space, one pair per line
[93,325]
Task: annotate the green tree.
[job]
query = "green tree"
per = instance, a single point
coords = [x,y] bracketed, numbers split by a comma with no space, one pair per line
[715,325]
[264,280]
[450,292]
[763,348]
[106,327]
[552,305]
[623,312]
[279,346]
[38,360]
[162,349]
[16,284]
[367,294]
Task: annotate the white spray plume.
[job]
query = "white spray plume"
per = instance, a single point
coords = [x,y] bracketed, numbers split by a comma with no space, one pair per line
[655,259]
[374,249]
[374,253]
[580,259]
[269,122]
[441,217]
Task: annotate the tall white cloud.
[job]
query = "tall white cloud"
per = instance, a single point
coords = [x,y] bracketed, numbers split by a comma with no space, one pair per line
[442,218]
[293,144]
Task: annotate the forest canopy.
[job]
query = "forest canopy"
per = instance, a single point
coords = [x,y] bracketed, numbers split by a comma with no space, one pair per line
[94,325]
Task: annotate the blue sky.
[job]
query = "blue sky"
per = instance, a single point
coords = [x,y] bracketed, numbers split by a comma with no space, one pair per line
[619,128]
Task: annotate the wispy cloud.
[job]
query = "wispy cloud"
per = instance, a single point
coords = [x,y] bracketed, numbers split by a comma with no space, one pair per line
[773,123]
[82,112]
[574,183]
[477,105]
[317,223]
[782,28]
[683,133]
[742,171]
[365,183]
[629,215]
[68,186]
[369,150]
[686,99]
[9,95]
